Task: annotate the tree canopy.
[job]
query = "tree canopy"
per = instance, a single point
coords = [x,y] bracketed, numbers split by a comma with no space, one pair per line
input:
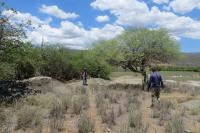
[138,49]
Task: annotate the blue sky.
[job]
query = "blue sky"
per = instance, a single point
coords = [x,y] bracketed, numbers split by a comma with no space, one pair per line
[77,24]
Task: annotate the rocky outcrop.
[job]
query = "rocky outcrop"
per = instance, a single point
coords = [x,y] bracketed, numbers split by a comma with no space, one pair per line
[13,90]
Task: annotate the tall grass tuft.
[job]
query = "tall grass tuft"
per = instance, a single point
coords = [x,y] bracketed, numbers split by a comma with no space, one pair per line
[85,125]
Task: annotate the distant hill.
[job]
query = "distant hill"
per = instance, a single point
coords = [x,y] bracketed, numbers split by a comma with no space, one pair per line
[190,59]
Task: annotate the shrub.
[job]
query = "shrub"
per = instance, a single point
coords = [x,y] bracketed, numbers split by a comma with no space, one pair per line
[7,71]
[175,125]
[42,100]
[85,125]
[99,99]
[24,70]
[120,111]
[108,115]
[66,100]
[29,117]
[2,117]
[56,116]
[79,102]
[135,119]
[125,128]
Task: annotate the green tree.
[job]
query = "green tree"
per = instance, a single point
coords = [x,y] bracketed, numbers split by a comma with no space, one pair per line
[11,35]
[138,49]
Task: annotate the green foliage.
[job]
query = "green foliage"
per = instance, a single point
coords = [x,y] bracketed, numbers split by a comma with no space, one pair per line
[180,68]
[137,49]
[7,71]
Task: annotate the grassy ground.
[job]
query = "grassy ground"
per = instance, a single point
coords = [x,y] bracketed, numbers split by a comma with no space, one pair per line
[116,106]
[168,75]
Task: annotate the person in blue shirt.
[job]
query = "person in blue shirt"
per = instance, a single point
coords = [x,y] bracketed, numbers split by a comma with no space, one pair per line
[155,84]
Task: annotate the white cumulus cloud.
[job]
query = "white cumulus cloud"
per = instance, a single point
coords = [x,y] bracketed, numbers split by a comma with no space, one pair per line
[57,12]
[161,1]
[68,33]
[136,13]
[184,6]
[104,18]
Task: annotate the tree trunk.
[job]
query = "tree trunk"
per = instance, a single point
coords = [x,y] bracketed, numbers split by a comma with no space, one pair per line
[144,81]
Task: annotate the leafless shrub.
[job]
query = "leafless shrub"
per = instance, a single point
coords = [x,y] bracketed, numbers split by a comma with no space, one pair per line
[135,118]
[125,128]
[167,89]
[113,97]
[195,91]
[195,112]
[66,101]
[79,102]
[143,129]
[29,117]
[5,122]
[43,100]
[99,99]
[56,116]
[107,114]
[162,111]
[120,111]
[198,119]
[106,93]
[85,125]
[132,100]
[175,125]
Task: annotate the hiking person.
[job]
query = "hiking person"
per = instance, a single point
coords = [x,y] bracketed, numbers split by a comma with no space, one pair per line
[84,76]
[155,83]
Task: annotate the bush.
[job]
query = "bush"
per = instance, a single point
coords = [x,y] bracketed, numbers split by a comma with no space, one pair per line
[79,102]
[24,70]
[57,62]
[57,116]
[85,125]
[175,125]
[7,71]
[5,121]
[29,117]
[42,100]
[135,119]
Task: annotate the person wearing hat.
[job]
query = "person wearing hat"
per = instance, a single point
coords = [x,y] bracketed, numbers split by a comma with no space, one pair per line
[154,84]
[84,76]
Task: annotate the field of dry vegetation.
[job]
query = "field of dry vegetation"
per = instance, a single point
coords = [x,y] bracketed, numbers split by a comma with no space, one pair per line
[103,106]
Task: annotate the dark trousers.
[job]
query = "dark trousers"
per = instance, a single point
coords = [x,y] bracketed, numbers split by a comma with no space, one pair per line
[155,94]
[84,80]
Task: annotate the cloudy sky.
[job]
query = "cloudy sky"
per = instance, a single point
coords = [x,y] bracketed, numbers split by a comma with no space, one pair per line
[79,23]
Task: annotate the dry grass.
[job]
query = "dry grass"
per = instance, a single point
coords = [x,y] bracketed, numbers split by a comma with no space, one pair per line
[163,111]
[135,118]
[29,117]
[56,116]
[5,122]
[108,115]
[79,102]
[195,91]
[66,101]
[85,125]
[125,128]
[42,100]
[175,125]
[120,111]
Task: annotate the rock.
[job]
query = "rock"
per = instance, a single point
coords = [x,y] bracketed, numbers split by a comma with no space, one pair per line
[108,130]
[38,81]
[13,90]
[187,131]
